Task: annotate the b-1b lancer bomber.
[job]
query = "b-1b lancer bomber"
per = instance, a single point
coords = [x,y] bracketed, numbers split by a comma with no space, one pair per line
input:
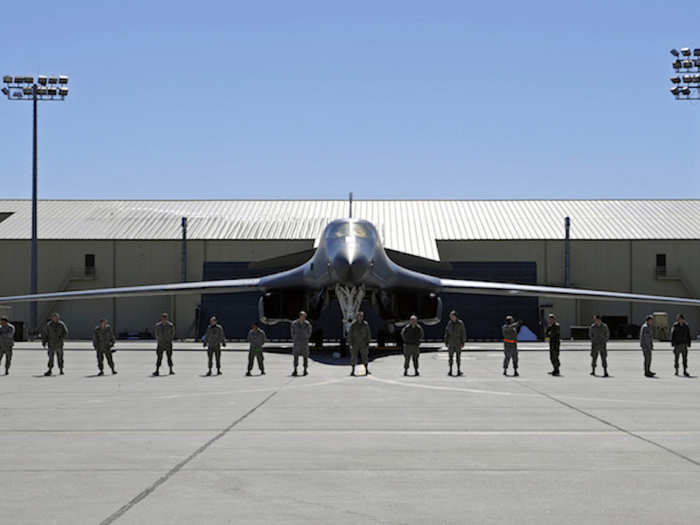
[350,265]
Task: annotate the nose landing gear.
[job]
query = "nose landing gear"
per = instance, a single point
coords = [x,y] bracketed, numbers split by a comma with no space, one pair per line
[349,298]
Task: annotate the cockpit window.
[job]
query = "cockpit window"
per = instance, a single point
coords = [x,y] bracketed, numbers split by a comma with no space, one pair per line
[350,229]
[341,230]
[359,231]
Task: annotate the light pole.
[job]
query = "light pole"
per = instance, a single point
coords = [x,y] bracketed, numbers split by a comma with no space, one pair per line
[686,82]
[24,88]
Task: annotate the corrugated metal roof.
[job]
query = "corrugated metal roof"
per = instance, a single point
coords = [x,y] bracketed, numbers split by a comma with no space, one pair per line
[408,226]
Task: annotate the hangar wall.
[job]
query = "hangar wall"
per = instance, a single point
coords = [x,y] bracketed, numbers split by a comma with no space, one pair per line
[122,263]
[615,265]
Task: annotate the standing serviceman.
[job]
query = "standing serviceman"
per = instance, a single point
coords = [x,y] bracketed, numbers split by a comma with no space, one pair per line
[214,339]
[455,337]
[256,338]
[102,341]
[599,333]
[680,339]
[412,335]
[300,331]
[359,336]
[554,333]
[646,341]
[165,333]
[53,336]
[7,341]
[510,344]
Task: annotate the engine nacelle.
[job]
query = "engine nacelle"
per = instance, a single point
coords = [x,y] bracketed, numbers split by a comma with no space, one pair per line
[399,306]
[284,306]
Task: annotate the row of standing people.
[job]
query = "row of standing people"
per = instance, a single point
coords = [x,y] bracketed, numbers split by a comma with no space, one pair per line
[599,335]
[359,336]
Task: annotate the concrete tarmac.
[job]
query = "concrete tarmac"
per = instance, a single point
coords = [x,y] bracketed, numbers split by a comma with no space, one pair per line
[329,448]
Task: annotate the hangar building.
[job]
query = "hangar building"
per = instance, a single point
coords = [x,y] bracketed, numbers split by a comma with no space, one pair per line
[641,246]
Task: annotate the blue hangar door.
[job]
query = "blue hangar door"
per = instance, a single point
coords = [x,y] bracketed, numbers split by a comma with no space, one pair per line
[483,314]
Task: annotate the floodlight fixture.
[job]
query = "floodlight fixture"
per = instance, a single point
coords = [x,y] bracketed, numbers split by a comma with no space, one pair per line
[674,52]
[675,90]
[676,80]
[685,51]
[676,64]
[685,90]
[696,52]
[52,88]
[687,63]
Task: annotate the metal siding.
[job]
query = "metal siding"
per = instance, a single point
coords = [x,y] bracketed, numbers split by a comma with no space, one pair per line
[411,226]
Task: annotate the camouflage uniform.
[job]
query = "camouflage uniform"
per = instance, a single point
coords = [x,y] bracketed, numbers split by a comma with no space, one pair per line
[301,333]
[599,335]
[102,341]
[165,333]
[214,339]
[510,344]
[7,341]
[455,337]
[646,342]
[412,337]
[359,338]
[256,338]
[680,340]
[52,336]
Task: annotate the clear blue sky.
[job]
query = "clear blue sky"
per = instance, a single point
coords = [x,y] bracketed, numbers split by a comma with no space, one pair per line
[388,99]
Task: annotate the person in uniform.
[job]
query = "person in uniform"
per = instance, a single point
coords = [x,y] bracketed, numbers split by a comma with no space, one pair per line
[553,332]
[412,336]
[599,334]
[300,331]
[455,337]
[680,340]
[102,341]
[256,338]
[359,337]
[510,344]
[165,333]
[646,341]
[214,339]
[53,335]
[7,341]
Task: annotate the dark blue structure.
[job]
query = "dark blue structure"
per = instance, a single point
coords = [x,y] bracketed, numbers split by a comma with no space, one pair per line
[483,314]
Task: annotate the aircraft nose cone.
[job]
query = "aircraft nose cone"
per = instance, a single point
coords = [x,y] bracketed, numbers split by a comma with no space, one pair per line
[351,270]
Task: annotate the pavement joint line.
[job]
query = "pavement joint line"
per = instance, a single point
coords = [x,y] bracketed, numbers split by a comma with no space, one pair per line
[177,468]
[361,470]
[613,425]
[445,431]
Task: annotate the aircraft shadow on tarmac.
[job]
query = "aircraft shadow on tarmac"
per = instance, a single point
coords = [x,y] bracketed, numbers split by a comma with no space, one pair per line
[325,356]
